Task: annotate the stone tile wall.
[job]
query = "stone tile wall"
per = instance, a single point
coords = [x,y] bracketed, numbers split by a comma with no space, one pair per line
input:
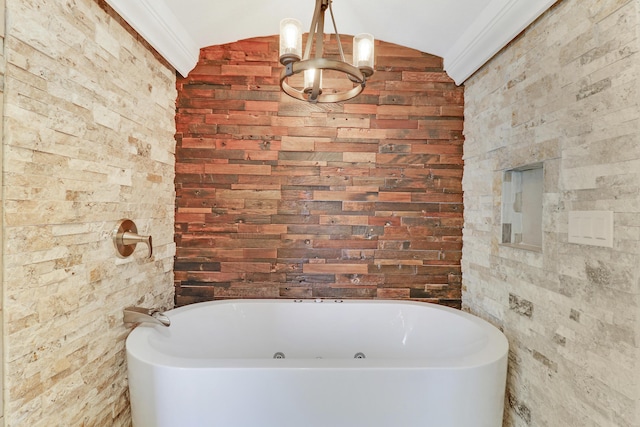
[88,139]
[279,198]
[2,72]
[564,93]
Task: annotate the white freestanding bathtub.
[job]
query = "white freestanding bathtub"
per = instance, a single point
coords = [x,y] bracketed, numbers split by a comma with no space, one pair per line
[317,363]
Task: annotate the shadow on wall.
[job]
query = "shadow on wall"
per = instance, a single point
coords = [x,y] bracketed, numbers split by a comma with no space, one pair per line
[278,198]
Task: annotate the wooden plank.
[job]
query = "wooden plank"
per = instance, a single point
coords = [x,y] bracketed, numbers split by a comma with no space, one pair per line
[335,268]
[237,169]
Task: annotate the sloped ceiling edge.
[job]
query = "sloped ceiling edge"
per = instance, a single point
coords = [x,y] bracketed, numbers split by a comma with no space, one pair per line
[153,20]
[498,24]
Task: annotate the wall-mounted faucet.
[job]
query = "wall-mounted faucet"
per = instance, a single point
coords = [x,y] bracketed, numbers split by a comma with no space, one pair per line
[126,237]
[139,315]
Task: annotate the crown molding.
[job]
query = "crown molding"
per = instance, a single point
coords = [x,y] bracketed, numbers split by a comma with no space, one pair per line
[499,23]
[155,22]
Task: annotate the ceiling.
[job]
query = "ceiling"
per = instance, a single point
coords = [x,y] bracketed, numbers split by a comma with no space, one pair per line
[465,33]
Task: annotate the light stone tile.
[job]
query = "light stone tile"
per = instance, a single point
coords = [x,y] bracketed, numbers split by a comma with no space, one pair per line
[65,126]
[581,93]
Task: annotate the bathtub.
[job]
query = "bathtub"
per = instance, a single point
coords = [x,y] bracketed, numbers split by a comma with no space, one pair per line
[317,363]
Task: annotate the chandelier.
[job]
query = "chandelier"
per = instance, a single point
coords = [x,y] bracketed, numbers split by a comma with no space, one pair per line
[295,62]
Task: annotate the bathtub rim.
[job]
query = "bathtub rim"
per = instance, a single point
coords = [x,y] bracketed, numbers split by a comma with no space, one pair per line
[495,351]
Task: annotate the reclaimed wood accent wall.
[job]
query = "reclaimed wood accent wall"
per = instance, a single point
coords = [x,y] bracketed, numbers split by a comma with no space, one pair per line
[279,198]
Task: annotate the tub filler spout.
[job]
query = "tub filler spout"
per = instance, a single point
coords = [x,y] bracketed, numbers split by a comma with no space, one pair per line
[139,315]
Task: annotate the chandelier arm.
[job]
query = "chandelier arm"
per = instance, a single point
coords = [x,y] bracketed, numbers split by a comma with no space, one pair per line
[327,64]
[315,89]
[322,98]
[320,36]
[335,30]
[312,29]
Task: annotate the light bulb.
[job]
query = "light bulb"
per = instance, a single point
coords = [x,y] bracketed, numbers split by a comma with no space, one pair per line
[309,78]
[289,34]
[363,53]
[290,40]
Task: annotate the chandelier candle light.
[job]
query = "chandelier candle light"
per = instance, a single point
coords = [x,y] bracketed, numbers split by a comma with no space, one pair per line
[295,62]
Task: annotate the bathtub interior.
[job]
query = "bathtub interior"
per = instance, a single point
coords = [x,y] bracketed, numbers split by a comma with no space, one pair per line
[309,329]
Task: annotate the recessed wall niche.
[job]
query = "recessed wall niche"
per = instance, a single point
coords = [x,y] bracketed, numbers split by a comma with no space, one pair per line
[522,207]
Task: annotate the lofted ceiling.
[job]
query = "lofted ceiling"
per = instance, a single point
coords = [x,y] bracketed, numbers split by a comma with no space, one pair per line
[465,33]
